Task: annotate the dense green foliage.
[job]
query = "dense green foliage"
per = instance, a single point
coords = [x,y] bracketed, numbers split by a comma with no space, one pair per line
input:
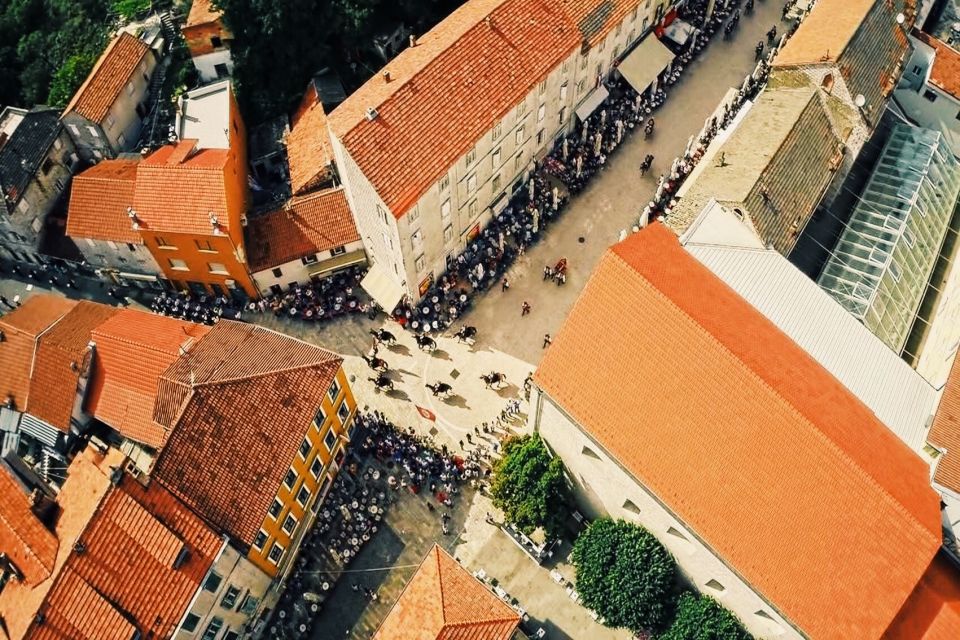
[47,47]
[700,617]
[625,575]
[279,46]
[528,485]
[130,9]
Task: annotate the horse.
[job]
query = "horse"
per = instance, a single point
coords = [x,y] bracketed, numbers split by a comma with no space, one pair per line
[466,334]
[440,389]
[384,336]
[375,363]
[425,343]
[493,378]
[382,383]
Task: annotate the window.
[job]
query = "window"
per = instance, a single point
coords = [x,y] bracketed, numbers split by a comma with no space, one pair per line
[519,137]
[230,597]
[46,166]
[497,130]
[581,85]
[677,534]
[631,507]
[212,583]
[417,239]
[631,36]
[231,635]
[36,227]
[633,14]
[334,390]
[445,209]
[518,162]
[444,183]
[277,273]
[619,28]
[471,156]
[302,497]
[908,238]
[496,157]
[190,622]
[177,264]
[541,113]
[540,138]
[414,214]
[495,185]
[583,61]
[275,508]
[317,467]
[260,540]
[600,47]
[542,88]
[930,95]
[895,271]
[311,259]
[305,447]
[563,115]
[320,417]
[290,523]
[276,552]
[563,92]
[73,129]
[290,479]
[448,234]
[472,209]
[329,440]
[163,243]
[472,183]
[566,66]
[590,453]
[338,251]
[521,109]
[249,605]
[383,214]
[204,245]
[110,121]
[419,264]
[132,247]
[646,21]
[213,629]
[343,412]
[716,586]
[215,42]
[217,267]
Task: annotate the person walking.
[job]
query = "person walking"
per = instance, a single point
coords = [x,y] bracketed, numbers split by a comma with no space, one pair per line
[546,340]
[547,272]
[504,285]
[525,309]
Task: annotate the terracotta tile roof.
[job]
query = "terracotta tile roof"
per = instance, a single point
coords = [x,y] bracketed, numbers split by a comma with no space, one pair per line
[443,601]
[23,538]
[20,330]
[308,143]
[945,74]
[99,198]
[59,362]
[749,441]
[253,397]
[945,432]
[825,33]
[133,349]
[933,610]
[430,113]
[597,18]
[108,78]
[178,186]
[88,481]
[202,12]
[305,226]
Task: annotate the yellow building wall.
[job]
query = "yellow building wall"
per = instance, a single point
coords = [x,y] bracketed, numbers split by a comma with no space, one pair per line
[316,433]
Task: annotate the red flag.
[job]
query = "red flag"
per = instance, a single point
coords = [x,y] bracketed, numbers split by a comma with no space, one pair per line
[426,413]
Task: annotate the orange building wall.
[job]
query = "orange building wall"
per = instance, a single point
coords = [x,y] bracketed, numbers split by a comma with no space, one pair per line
[198,37]
[316,433]
[198,260]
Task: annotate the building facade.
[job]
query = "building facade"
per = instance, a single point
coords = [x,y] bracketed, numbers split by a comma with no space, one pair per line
[422,175]
[106,113]
[929,91]
[37,160]
[208,40]
[881,265]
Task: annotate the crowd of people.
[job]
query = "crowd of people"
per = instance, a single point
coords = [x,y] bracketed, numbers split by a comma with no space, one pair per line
[332,297]
[201,308]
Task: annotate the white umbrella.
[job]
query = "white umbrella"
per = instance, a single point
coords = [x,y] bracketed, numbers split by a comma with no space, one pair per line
[603,118]
[566,149]
[532,189]
[579,164]
[619,131]
[622,236]
[586,132]
[536,220]
[674,166]
[556,198]
[500,243]
[689,148]
[597,144]
[660,187]
[758,70]
[636,103]
[746,85]
[645,217]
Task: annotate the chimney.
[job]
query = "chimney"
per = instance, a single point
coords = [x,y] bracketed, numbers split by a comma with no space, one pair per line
[413,40]
[183,150]
[386,76]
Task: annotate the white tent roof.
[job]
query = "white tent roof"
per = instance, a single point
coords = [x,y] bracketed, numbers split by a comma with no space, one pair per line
[591,102]
[382,288]
[645,63]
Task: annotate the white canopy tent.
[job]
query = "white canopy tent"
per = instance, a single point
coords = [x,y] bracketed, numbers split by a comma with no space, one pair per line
[642,66]
[382,287]
[591,102]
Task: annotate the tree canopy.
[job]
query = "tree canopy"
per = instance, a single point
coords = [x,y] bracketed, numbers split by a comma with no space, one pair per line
[529,486]
[279,46]
[701,617]
[625,575]
[47,47]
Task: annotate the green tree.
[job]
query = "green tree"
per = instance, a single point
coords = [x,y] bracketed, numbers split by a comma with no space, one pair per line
[69,77]
[625,575]
[700,617]
[130,9]
[529,486]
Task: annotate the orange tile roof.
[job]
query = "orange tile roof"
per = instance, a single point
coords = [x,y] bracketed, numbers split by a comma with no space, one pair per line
[126,572]
[99,198]
[108,78]
[443,601]
[253,395]
[447,91]
[945,432]
[745,437]
[133,349]
[178,187]
[305,226]
[88,481]
[597,18]
[933,610]
[59,361]
[202,12]
[825,33]
[23,538]
[20,330]
[945,74]
[308,143]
